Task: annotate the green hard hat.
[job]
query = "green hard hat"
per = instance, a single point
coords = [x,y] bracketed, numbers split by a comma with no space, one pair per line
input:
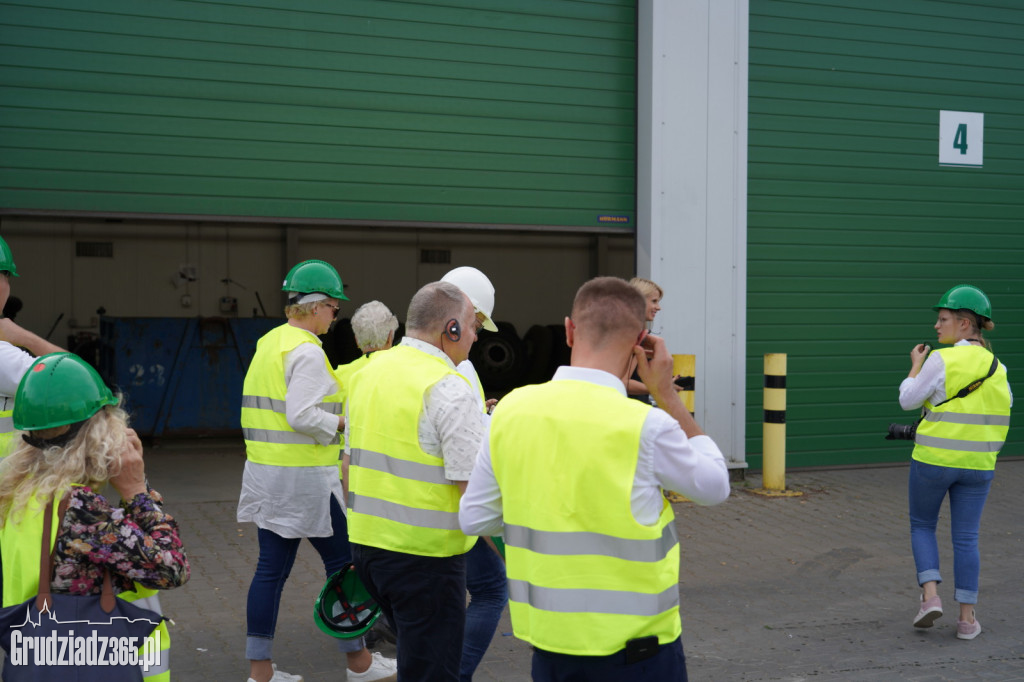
[966,296]
[344,608]
[315,276]
[7,259]
[59,389]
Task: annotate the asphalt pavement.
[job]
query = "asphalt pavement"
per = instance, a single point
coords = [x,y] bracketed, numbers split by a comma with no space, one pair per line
[818,586]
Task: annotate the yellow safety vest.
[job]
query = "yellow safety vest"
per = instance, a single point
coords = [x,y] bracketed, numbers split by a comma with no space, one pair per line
[269,439]
[584,577]
[399,498]
[147,598]
[968,432]
[19,546]
[343,373]
[7,429]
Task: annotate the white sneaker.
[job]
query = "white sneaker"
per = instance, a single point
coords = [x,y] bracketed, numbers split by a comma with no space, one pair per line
[281,676]
[382,669]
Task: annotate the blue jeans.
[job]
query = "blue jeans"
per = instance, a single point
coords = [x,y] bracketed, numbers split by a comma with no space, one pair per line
[968,489]
[424,599]
[277,555]
[669,663]
[488,594]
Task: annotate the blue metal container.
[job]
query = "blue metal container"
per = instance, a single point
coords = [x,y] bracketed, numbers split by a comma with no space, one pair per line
[180,376]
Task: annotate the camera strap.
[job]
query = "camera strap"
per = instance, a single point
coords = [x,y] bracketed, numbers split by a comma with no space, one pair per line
[974,385]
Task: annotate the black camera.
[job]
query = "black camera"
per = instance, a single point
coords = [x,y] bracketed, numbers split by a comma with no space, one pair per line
[902,431]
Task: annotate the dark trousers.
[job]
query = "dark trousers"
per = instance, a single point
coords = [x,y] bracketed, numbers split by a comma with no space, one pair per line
[424,599]
[669,663]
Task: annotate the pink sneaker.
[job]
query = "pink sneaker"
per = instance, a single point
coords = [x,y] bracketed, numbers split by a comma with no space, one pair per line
[967,630]
[930,611]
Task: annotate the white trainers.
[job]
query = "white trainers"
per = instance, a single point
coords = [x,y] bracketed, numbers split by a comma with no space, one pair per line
[281,676]
[382,669]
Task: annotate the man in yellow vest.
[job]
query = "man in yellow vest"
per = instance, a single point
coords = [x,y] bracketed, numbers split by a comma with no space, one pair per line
[14,361]
[572,474]
[415,427]
[291,418]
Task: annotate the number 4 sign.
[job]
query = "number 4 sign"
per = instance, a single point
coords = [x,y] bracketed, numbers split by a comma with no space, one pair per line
[961,138]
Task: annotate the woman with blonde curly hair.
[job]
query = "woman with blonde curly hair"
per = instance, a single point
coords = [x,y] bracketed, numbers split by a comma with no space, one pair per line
[75,441]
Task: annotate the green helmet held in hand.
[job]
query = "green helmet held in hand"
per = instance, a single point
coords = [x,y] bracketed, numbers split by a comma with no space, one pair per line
[966,296]
[315,276]
[59,389]
[344,608]
[7,259]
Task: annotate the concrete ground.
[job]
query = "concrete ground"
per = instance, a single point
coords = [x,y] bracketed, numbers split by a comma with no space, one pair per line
[815,587]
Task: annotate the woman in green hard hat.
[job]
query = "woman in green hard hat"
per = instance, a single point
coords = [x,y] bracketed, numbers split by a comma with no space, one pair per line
[966,402]
[291,419]
[75,440]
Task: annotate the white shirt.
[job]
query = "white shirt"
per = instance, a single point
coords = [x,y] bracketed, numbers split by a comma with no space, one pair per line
[294,502]
[451,424]
[930,383]
[14,362]
[667,459]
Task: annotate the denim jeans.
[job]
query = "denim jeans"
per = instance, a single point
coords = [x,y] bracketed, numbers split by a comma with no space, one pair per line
[669,663]
[488,594]
[968,489]
[424,599]
[277,555]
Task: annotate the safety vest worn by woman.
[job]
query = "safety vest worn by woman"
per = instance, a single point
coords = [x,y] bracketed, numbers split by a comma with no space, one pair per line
[399,498]
[19,551]
[968,432]
[19,545]
[584,577]
[269,439]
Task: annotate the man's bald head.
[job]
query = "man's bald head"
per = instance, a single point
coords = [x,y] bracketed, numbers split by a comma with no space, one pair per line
[608,310]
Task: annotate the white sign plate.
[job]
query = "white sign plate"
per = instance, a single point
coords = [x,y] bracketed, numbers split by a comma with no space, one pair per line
[961,138]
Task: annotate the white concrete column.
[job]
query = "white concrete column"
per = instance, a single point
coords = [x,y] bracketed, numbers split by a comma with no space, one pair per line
[691,195]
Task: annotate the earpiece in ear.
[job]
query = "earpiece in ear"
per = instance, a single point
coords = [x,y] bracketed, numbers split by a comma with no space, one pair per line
[453,330]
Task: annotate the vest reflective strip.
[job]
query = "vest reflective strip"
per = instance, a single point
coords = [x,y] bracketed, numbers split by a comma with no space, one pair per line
[973,419]
[259,402]
[593,601]
[282,437]
[410,516]
[581,542]
[155,670]
[415,471]
[962,445]
[6,424]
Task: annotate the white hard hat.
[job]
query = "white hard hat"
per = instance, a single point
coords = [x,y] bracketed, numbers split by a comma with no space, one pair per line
[475,284]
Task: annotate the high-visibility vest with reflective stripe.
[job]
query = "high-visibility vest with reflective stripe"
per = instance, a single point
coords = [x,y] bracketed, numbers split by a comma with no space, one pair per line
[399,498]
[584,577]
[148,598]
[19,546]
[7,429]
[968,432]
[269,439]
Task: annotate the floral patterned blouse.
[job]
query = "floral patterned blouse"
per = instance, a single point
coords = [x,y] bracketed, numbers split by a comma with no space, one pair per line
[137,541]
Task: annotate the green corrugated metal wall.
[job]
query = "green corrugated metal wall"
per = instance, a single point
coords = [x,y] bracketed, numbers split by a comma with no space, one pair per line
[467,111]
[854,228]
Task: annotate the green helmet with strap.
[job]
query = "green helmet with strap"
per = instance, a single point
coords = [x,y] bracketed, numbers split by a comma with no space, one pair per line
[7,259]
[315,276]
[344,608]
[966,297]
[59,389]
